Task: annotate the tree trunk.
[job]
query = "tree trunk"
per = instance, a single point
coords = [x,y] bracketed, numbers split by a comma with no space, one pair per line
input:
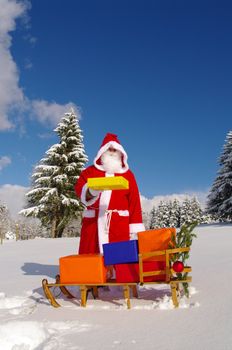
[53,228]
[60,233]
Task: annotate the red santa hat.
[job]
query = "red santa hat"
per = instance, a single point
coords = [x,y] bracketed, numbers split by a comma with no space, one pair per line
[111,140]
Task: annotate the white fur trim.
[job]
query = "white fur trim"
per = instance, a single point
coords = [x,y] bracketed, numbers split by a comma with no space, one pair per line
[83,196]
[94,192]
[116,146]
[103,235]
[134,228]
[133,236]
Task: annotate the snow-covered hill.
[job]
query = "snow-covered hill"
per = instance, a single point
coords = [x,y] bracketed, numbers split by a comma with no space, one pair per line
[27,321]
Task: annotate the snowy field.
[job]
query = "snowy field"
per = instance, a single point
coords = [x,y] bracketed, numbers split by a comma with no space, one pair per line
[27,321]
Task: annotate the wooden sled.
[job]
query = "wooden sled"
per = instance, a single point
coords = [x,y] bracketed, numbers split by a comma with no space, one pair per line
[85,289]
[171,278]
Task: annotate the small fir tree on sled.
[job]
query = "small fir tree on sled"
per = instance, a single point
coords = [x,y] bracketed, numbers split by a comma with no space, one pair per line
[183,239]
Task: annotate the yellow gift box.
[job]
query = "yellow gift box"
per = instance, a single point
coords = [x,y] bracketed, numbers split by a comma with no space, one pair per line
[108,183]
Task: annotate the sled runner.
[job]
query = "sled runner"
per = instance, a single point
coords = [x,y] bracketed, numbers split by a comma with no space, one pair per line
[153,267]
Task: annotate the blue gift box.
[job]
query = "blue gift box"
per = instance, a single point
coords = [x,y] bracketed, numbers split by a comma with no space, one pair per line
[121,252]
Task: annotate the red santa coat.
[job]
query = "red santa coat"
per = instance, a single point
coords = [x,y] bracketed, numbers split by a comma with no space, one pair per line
[112,216]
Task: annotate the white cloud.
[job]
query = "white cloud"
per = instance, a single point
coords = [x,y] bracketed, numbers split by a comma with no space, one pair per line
[148,204]
[13,196]
[12,97]
[51,113]
[10,10]
[4,161]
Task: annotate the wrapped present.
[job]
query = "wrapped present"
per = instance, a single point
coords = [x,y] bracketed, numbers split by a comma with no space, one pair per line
[120,252]
[83,268]
[158,239]
[130,272]
[108,183]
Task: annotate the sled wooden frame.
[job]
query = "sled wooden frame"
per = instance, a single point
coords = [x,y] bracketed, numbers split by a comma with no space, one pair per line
[170,279]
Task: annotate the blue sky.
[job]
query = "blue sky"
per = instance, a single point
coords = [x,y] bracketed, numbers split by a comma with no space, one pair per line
[157,73]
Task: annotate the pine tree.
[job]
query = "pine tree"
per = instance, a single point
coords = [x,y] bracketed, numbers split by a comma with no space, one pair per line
[4,221]
[184,239]
[52,198]
[220,197]
[146,219]
[196,210]
[174,213]
[159,216]
[207,218]
[185,212]
[152,220]
[162,215]
[165,219]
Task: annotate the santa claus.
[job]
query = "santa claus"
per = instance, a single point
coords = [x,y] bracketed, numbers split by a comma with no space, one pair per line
[109,216]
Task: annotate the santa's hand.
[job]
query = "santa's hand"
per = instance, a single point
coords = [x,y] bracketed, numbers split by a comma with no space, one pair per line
[133,236]
[93,192]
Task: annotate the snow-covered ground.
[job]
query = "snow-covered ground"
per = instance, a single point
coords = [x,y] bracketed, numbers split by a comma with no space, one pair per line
[28,321]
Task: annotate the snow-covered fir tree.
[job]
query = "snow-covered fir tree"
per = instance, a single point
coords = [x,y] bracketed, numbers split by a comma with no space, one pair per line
[4,221]
[146,219]
[165,214]
[152,221]
[28,228]
[161,215]
[174,213]
[52,198]
[185,212]
[220,197]
[196,210]
[158,216]
[207,218]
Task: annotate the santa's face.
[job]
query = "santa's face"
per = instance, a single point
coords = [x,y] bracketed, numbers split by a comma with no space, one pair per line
[112,161]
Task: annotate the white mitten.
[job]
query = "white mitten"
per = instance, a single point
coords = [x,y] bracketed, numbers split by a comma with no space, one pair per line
[94,193]
[133,236]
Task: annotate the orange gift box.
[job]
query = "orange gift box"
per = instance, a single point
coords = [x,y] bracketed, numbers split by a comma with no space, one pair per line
[83,268]
[153,240]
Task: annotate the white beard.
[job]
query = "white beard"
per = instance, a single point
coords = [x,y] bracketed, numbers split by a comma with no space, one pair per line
[111,162]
